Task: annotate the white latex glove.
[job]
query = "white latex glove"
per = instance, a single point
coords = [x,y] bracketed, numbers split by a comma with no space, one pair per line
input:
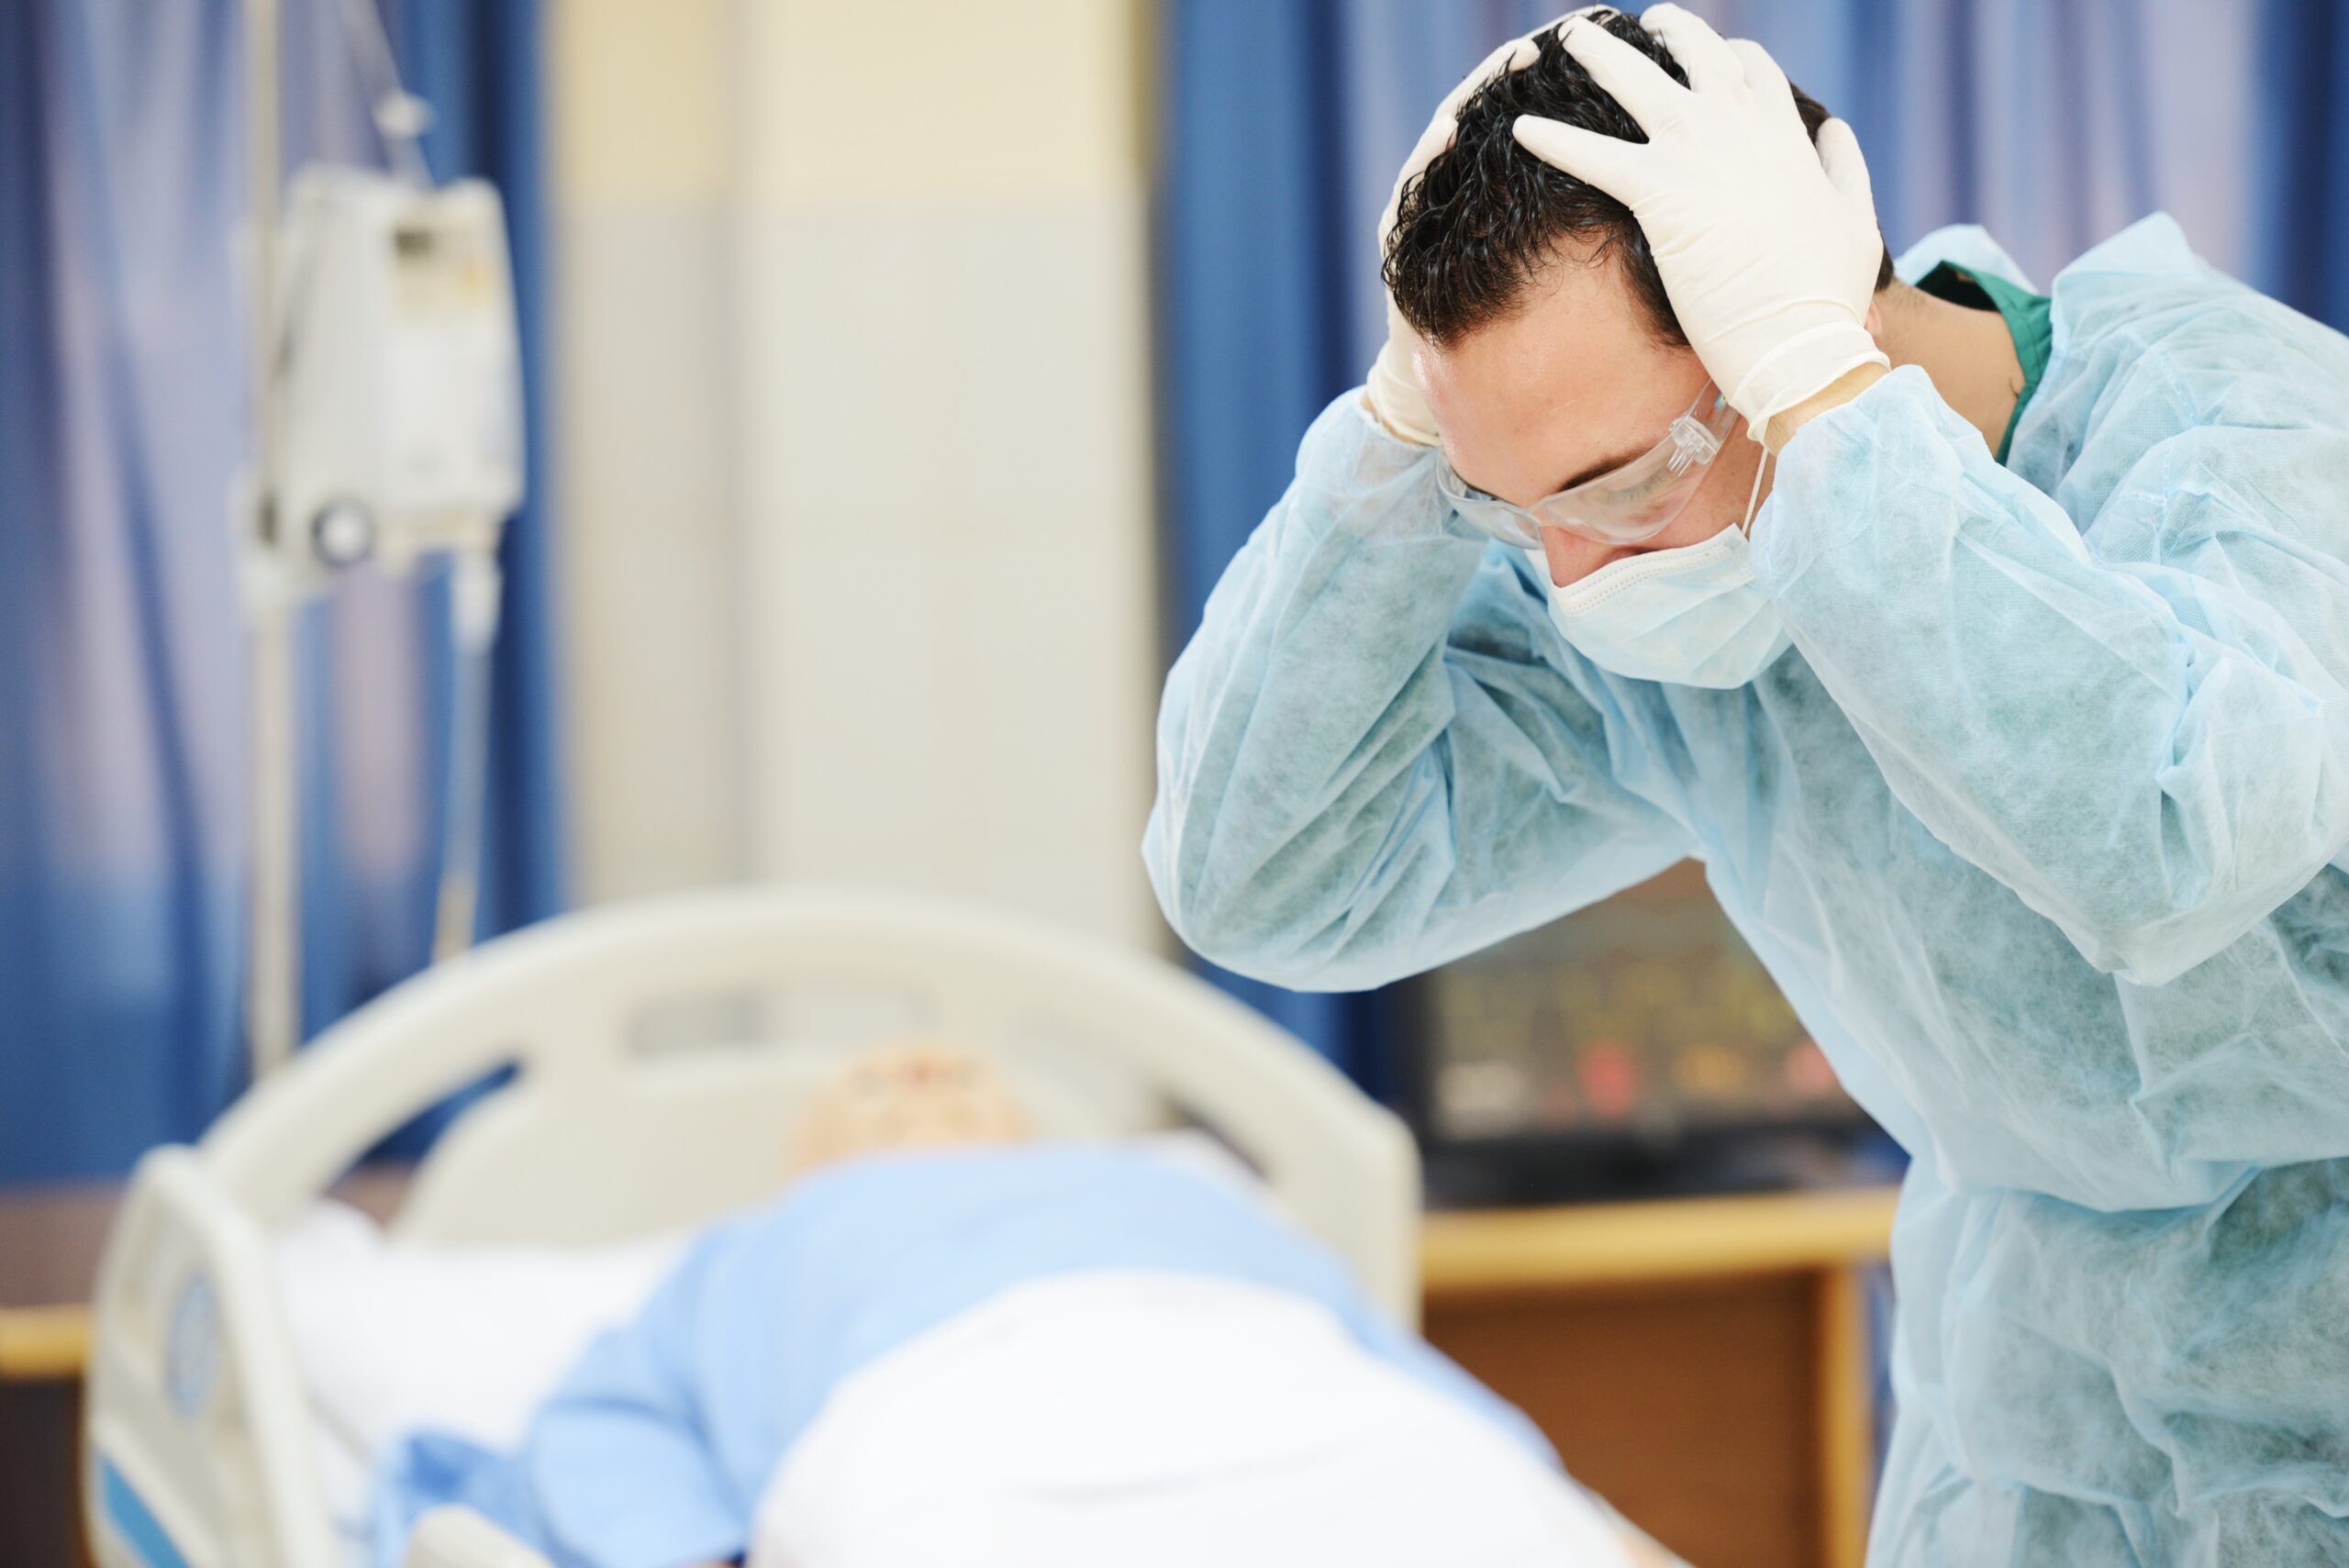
[1768,247]
[1394,389]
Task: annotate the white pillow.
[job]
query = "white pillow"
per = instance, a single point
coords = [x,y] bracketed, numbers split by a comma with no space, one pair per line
[396,1336]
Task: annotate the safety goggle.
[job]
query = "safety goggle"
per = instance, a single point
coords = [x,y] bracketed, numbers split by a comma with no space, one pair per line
[1633,503]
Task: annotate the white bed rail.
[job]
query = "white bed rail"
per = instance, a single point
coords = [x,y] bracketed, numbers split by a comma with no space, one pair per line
[201,1448]
[599,1137]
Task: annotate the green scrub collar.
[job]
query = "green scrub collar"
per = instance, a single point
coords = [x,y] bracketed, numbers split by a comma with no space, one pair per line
[2028,318]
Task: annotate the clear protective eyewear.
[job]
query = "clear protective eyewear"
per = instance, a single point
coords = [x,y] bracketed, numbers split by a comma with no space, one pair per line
[1635,502]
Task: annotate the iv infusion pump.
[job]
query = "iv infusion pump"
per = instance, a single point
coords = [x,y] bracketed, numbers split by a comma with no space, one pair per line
[401,391]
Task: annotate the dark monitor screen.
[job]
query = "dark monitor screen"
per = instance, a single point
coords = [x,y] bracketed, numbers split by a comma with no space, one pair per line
[1641,1024]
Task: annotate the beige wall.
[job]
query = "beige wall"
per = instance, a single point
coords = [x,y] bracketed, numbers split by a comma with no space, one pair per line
[855,469]
[646,457]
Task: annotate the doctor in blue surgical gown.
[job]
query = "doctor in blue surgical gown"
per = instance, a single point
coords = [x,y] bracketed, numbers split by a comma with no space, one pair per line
[2037,806]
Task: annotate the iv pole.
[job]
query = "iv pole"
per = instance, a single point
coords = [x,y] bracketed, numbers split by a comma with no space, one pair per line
[288,561]
[272,1001]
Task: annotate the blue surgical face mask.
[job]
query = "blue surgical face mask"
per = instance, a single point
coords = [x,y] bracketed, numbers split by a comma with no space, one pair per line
[1691,615]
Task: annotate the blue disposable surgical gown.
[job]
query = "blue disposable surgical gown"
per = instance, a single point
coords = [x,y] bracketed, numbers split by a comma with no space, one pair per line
[2042,825]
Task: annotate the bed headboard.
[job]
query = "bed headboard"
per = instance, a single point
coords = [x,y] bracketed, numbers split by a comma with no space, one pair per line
[660,1049]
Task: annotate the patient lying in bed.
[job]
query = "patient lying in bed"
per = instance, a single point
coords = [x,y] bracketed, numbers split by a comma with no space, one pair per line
[948,1344]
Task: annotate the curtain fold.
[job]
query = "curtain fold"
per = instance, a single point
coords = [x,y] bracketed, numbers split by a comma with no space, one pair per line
[483,69]
[123,714]
[2303,242]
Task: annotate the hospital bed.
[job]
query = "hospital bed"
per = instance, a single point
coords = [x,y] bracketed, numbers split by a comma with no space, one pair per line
[644,1064]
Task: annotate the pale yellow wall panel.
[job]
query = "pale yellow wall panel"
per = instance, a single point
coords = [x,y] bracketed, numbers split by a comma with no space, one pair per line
[948,544]
[640,91]
[653,706]
[956,101]
[852,328]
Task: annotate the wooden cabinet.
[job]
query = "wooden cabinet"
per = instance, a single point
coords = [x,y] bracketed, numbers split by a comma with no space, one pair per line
[1704,1365]
[50,1238]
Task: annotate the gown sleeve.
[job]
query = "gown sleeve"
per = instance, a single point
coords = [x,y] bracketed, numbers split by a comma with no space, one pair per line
[2139,720]
[1376,754]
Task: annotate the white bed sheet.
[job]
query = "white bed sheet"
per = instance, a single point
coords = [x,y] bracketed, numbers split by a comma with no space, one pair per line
[1161,1420]
[393,1337]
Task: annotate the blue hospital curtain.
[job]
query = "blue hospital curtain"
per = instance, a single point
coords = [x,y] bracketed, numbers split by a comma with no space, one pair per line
[123,714]
[1283,123]
[2302,245]
[482,68]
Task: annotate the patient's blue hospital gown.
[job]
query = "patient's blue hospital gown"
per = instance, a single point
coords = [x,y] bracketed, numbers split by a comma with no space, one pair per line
[655,1449]
[2043,825]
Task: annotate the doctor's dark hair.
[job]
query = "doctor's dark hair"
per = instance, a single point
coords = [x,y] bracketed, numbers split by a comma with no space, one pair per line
[1484,220]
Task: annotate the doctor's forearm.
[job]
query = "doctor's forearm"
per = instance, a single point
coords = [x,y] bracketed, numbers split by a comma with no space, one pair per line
[1843,389]
[1370,759]
[1290,724]
[2145,784]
